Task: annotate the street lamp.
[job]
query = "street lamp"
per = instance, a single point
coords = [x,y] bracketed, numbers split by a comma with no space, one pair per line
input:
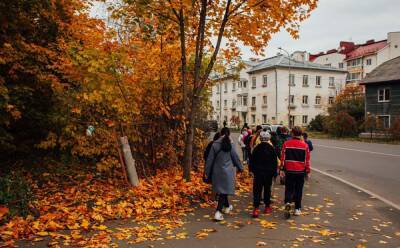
[289,122]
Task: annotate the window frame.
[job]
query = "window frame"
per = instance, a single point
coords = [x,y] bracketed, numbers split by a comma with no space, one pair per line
[253,82]
[305,80]
[320,99]
[318,80]
[265,81]
[384,94]
[304,117]
[305,97]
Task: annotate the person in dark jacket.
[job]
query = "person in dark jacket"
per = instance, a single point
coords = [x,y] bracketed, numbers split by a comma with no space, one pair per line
[309,142]
[295,159]
[221,166]
[217,135]
[263,165]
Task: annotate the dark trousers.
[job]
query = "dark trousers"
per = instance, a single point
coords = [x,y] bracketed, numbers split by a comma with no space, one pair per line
[262,182]
[244,151]
[222,202]
[294,188]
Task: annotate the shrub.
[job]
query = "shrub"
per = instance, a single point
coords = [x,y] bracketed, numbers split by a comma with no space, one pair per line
[317,124]
[341,124]
[395,129]
[15,193]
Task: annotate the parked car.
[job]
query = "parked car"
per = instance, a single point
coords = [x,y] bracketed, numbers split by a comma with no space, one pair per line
[275,127]
[266,127]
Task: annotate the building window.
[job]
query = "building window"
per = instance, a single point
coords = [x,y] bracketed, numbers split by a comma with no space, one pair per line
[253,101]
[265,81]
[305,80]
[305,100]
[225,103]
[264,118]
[318,100]
[244,100]
[291,99]
[354,76]
[341,65]
[253,119]
[217,104]
[244,84]
[384,95]
[369,61]
[318,81]
[233,86]
[225,118]
[218,87]
[331,99]
[331,82]
[233,103]
[240,84]
[291,80]
[384,121]
[253,82]
[265,100]
[225,87]
[305,119]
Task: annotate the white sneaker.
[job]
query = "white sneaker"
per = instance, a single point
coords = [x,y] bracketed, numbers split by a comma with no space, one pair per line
[227,210]
[297,212]
[218,216]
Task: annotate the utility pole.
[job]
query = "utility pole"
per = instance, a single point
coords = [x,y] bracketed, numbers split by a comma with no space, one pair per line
[289,116]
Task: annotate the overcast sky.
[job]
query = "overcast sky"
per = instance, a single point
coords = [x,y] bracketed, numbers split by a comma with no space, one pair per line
[332,22]
[336,20]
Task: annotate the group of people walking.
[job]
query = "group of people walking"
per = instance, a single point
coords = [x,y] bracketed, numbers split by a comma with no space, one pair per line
[268,155]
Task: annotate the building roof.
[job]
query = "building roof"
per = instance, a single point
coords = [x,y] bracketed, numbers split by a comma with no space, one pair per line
[284,61]
[370,47]
[388,71]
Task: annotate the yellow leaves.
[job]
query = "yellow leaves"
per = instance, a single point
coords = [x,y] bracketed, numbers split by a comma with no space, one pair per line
[261,243]
[268,224]
[203,233]
[85,224]
[327,232]
[360,246]
[42,234]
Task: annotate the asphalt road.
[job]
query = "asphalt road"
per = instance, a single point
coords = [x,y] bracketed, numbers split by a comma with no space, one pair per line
[374,167]
[370,166]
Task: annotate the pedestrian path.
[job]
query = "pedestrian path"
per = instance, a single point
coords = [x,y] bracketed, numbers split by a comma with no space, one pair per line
[334,215]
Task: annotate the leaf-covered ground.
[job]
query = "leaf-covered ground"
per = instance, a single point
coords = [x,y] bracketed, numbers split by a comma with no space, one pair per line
[166,212]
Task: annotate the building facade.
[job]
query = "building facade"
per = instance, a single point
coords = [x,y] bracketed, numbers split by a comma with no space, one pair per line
[382,92]
[266,91]
[360,59]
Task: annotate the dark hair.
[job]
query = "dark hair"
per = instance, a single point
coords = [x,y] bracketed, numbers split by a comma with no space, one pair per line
[296,131]
[226,145]
[305,135]
[258,128]
[278,130]
[217,135]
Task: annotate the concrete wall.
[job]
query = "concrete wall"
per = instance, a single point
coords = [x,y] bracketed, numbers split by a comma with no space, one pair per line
[333,59]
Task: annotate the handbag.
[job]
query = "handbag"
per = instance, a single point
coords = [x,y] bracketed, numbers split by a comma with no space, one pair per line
[208,179]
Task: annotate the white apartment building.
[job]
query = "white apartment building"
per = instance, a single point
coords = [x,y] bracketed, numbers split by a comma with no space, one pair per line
[260,93]
[359,59]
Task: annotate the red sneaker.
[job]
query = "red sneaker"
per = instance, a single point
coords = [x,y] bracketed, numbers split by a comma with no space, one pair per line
[256,213]
[267,210]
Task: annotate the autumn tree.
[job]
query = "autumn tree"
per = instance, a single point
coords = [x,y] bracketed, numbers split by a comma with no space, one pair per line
[207,29]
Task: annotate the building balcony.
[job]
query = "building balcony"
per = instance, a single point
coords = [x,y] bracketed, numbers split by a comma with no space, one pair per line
[242,108]
[253,108]
[292,106]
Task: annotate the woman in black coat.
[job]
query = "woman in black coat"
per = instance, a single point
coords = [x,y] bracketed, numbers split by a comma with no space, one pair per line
[263,164]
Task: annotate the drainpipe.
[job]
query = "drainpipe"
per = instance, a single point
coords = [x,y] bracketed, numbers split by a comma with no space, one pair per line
[276,96]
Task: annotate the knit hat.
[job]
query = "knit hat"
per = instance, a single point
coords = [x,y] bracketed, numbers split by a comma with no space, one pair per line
[265,136]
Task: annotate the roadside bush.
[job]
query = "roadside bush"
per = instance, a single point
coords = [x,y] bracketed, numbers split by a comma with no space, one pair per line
[395,129]
[317,124]
[15,193]
[342,124]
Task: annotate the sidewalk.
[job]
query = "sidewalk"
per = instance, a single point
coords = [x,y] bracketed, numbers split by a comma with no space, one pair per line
[334,215]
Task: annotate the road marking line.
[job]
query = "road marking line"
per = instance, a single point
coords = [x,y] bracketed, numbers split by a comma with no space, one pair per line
[388,202]
[356,150]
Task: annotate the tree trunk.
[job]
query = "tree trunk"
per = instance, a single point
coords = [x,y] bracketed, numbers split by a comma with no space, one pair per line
[188,152]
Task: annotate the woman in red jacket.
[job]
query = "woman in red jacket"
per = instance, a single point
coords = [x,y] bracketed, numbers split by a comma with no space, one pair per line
[295,159]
